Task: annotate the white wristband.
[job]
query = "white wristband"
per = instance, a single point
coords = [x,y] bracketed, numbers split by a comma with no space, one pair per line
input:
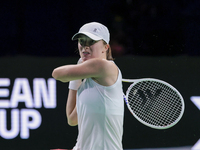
[74,85]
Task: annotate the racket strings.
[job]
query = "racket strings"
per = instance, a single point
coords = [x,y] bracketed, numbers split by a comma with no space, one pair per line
[154,103]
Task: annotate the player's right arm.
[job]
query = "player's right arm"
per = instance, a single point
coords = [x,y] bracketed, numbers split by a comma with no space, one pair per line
[71,111]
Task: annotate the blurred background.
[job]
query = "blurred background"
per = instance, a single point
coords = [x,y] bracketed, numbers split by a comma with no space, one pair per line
[157,38]
[137,27]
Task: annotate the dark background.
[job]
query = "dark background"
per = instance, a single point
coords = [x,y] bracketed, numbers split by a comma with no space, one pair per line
[149,38]
[137,27]
[182,72]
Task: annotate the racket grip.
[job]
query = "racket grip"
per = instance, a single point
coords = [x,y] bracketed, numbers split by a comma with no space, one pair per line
[125,99]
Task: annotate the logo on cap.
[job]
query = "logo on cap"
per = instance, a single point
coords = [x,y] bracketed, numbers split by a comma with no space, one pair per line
[95,30]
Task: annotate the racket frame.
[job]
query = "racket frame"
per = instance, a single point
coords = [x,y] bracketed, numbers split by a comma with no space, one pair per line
[135,81]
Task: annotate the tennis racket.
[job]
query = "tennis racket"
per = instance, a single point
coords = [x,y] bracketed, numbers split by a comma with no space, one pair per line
[154,103]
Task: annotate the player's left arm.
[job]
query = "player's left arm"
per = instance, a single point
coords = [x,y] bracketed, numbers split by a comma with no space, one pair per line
[95,68]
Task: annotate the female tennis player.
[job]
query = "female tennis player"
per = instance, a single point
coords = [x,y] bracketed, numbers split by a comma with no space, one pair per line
[95,104]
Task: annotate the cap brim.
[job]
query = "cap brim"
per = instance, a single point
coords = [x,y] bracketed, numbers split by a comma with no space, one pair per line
[92,36]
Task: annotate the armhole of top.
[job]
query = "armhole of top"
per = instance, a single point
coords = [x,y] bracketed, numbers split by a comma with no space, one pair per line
[119,76]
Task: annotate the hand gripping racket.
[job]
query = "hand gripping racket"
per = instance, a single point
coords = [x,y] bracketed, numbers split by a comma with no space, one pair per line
[154,102]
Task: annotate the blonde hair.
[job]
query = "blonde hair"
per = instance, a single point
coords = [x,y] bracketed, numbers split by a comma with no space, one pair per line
[109,52]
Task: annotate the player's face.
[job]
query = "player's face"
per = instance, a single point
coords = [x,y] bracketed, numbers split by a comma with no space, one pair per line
[89,48]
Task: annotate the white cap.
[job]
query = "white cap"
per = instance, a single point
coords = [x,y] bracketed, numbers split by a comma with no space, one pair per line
[95,31]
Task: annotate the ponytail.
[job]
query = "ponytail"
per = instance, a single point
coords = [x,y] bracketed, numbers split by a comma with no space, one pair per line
[109,52]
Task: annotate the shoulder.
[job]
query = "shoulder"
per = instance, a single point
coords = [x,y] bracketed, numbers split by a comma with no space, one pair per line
[106,71]
[100,63]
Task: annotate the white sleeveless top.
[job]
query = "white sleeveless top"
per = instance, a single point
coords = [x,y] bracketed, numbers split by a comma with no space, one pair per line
[100,112]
